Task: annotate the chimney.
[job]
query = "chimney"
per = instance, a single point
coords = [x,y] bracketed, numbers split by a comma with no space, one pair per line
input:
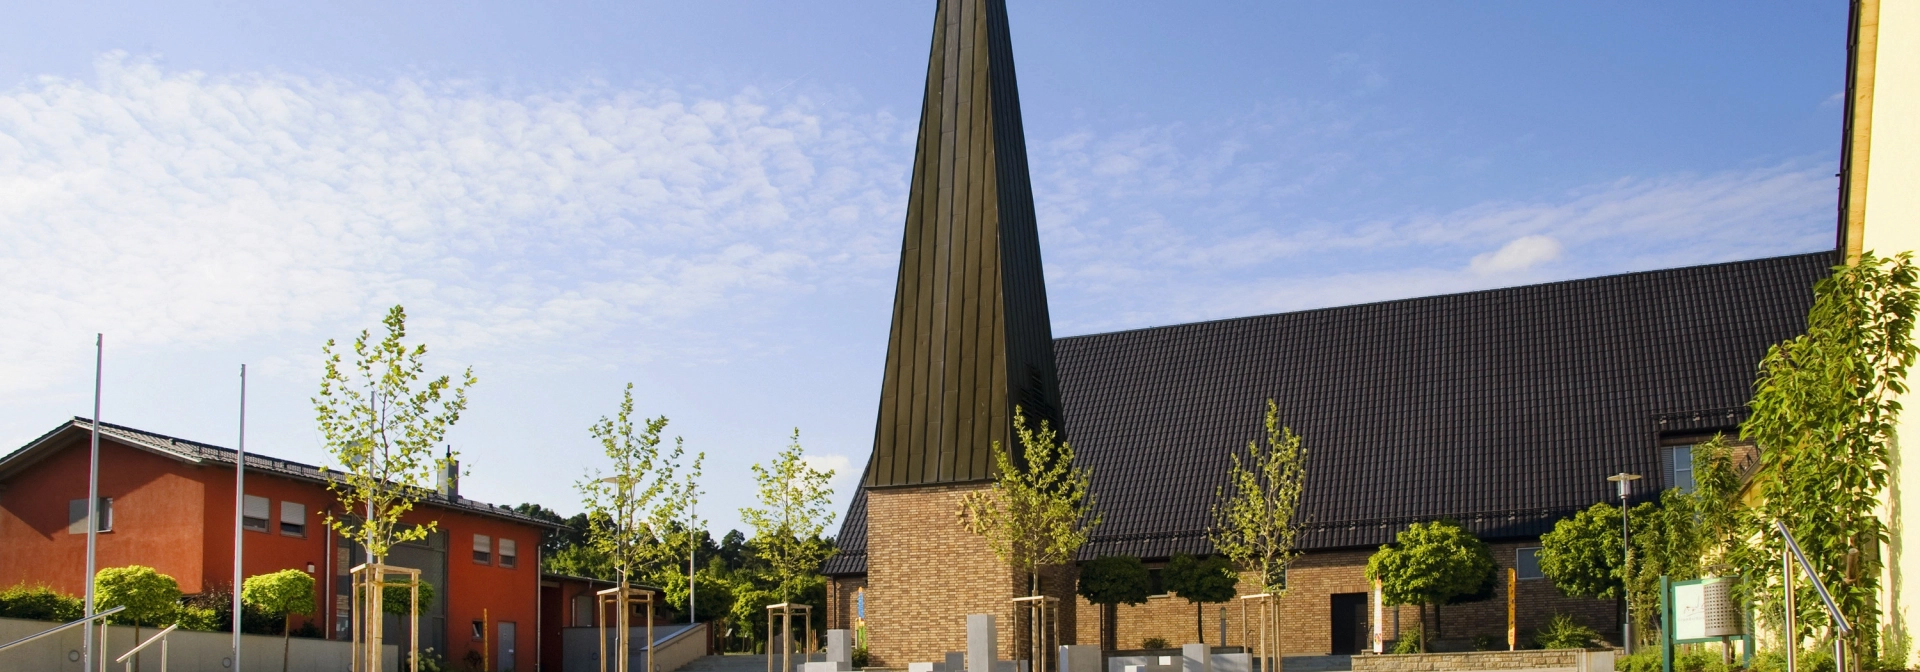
[447,481]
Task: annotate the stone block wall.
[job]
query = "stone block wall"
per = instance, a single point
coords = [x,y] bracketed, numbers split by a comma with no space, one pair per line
[1475,660]
[925,573]
[1306,613]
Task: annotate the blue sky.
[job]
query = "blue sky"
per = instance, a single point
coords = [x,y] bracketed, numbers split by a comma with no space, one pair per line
[706,198]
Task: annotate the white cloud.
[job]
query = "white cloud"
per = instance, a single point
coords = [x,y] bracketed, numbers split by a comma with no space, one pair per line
[842,466]
[1523,253]
[180,207]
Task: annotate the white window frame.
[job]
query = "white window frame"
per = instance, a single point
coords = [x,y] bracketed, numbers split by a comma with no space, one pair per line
[77,515]
[265,510]
[482,549]
[298,513]
[1521,552]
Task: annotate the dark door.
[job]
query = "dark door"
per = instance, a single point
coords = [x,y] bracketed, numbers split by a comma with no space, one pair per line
[1349,623]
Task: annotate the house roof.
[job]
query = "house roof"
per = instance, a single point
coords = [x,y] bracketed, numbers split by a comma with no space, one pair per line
[194,452]
[1503,409]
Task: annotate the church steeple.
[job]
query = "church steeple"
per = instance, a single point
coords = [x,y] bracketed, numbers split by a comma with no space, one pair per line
[970,339]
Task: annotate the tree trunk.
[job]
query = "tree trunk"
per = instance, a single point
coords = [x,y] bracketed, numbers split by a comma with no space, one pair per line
[1109,630]
[1199,623]
[136,642]
[286,641]
[1424,630]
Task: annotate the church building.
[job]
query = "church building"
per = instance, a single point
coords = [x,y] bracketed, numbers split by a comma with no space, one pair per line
[1504,410]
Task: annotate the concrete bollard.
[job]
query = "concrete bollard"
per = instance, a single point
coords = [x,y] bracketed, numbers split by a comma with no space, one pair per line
[983,648]
[840,649]
[1196,658]
[1079,658]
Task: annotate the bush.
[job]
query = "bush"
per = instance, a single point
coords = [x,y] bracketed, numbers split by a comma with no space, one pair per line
[860,656]
[202,619]
[1483,643]
[1409,641]
[1562,632]
[430,660]
[38,603]
[1154,643]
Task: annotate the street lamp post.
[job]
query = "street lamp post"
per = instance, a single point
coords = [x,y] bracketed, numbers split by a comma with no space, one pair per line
[1626,550]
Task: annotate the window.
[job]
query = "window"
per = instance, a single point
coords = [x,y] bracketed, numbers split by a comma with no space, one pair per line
[1157,582]
[253,513]
[509,552]
[483,549]
[1526,563]
[479,630]
[77,515]
[582,611]
[293,519]
[1679,463]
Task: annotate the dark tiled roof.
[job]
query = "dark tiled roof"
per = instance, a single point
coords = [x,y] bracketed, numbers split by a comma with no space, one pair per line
[851,558]
[1505,409]
[201,453]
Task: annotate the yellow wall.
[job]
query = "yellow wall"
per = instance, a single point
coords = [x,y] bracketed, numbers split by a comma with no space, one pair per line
[1892,224]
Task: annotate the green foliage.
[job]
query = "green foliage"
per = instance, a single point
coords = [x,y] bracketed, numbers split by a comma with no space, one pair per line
[1208,581]
[1483,642]
[793,515]
[383,431]
[1582,553]
[1412,640]
[393,599]
[1431,563]
[281,594]
[1115,579]
[861,657]
[431,661]
[149,596]
[39,603]
[1562,632]
[582,560]
[1256,516]
[1680,537]
[201,619]
[1040,509]
[1154,643]
[640,497]
[1824,413]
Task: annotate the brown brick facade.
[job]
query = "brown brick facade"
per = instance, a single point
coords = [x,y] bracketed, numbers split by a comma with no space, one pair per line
[925,574]
[1306,612]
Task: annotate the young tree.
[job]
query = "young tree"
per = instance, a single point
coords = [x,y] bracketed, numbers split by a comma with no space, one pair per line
[1256,519]
[792,516]
[380,421]
[1824,413]
[1040,510]
[1110,581]
[149,596]
[635,503]
[1581,555]
[1431,563]
[280,595]
[1209,581]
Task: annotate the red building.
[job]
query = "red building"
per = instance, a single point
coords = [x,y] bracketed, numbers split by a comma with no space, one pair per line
[168,503]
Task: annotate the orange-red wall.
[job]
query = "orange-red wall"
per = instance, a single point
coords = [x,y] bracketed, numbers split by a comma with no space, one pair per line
[178,518]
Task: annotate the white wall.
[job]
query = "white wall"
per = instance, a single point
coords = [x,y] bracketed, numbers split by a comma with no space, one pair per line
[186,650]
[1892,224]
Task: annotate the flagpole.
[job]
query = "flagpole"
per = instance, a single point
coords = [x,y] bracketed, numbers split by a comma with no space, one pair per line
[93,501]
[239,513]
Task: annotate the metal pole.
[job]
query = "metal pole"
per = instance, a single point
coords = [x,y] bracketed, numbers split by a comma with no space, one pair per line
[1626,577]
[93,502]
[239,514]
[693,545]
[1791,641]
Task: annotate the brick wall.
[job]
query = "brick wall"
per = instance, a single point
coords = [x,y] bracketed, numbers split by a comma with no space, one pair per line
[1306,613]
[840,600]
[925,574]
[1478,660]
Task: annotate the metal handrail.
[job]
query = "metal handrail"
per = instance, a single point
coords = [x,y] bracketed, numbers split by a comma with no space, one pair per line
[1838,620]
[160,637]
[58,628]
[1786,583]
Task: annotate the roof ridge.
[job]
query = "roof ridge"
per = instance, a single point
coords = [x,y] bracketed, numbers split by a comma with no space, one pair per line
[1437,297]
